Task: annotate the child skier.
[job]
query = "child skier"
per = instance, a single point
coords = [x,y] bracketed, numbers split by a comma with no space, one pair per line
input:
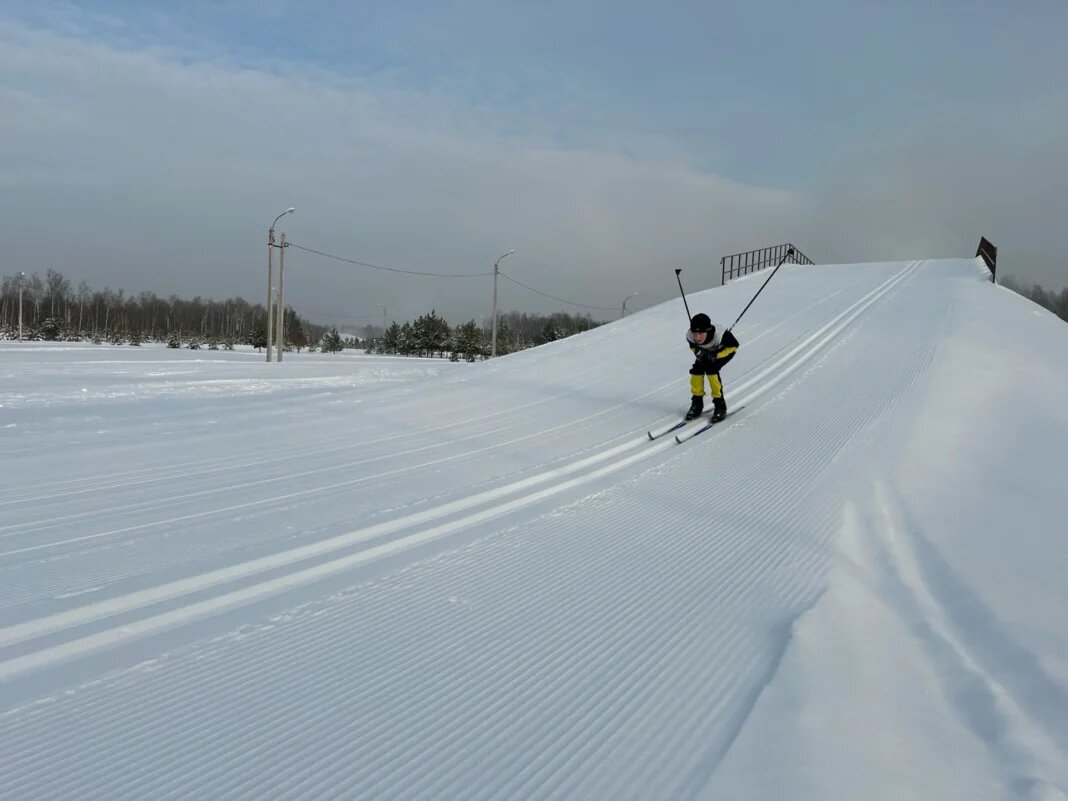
[712,351]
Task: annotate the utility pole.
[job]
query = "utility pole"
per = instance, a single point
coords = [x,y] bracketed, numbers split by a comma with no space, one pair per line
[270,289]
[496,272]
[282,296]
[270,280]
[22,277]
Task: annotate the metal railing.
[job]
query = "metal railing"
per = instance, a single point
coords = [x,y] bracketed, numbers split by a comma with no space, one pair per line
[753,260]
[989,253]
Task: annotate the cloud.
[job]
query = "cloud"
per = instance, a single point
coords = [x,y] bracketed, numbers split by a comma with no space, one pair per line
[156,167]
[139,169]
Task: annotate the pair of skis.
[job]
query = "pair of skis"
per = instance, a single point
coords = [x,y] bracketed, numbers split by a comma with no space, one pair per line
[691,432]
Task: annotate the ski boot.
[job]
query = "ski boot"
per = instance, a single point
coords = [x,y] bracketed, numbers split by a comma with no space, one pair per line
[697,405]
[719,409]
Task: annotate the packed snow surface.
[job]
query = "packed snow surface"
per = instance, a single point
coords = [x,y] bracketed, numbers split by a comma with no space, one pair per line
[347,576]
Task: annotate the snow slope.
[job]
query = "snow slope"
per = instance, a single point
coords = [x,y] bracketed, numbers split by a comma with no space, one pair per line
[346,577]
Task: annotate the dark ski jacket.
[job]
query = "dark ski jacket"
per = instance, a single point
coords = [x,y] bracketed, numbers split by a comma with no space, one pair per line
[715,352]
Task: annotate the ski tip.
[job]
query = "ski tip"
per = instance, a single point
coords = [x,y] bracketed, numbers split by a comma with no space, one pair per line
[677,440]
[650,433]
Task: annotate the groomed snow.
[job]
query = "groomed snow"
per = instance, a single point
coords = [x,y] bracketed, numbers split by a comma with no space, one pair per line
[366,577]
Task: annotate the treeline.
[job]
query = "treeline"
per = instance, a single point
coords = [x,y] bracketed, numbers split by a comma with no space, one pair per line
[432,336]
[1056,302]
[53,309]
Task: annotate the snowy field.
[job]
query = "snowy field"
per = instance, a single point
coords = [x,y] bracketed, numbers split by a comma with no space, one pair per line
[362,577]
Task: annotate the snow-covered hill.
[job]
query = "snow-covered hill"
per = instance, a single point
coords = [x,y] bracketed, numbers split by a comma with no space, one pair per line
[346,577]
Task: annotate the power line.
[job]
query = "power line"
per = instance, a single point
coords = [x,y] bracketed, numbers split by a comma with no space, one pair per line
[387,269]
[445,275]
[553,297]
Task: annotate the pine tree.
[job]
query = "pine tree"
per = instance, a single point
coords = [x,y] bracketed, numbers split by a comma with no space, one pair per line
[332,342]
[468,341]
[430,334]
[258,337]
[391,339]
[51,328]
[405,343]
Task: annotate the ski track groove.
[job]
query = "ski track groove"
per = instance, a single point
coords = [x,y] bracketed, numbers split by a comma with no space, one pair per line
[183,499]
[583,422]
[405,469]
[388,440]
[1016,736]
[213,465]
[999,713]
[169,552]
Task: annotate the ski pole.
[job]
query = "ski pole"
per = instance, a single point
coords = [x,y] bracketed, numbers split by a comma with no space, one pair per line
[789,253]
[684,303]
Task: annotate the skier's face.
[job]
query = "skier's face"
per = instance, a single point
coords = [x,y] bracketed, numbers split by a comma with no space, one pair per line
[700,336]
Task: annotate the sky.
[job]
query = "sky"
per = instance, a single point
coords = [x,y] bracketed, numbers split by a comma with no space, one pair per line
[149,146]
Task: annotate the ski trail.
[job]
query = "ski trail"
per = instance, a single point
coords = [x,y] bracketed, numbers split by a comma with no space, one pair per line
[1027,739]
[557,478]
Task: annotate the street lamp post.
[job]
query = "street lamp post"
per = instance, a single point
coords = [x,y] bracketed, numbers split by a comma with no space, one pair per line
[270,291]
[282,296]
[383,305]
[496,272]
[628,297]
[270,278]
[22,277]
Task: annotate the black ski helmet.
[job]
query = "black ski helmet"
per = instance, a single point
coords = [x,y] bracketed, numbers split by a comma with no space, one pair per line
[700,323]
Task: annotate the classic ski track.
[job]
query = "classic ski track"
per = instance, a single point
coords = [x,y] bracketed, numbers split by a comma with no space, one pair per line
[113,566]
[1024,729]
[316,451]
[319,489]
[557,479]
[103,578]
[291,476]
[208,466]
[370,686]
[201,467]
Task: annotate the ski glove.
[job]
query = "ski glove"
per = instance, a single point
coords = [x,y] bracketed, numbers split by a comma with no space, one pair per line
[708,359]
